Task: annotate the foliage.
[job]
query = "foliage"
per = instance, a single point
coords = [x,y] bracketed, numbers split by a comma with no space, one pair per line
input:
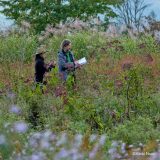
[40,13]
[17,47]
[119,75]
[138,130]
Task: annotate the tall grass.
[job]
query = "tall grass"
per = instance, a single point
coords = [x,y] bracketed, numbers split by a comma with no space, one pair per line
[114,97]
[15,47]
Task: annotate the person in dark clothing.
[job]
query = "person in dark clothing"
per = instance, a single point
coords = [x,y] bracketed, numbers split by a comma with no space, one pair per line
[40,67]
[66,61]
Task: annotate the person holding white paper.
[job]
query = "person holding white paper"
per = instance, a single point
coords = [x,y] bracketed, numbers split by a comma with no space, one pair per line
[66,61]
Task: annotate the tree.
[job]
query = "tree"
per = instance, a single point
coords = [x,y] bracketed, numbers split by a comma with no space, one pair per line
[39,13]
[153,25]
[131,13]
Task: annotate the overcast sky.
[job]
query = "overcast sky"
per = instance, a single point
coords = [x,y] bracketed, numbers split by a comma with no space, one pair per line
[155,6]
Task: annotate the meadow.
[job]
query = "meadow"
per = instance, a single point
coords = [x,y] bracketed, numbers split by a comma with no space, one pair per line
[113,113]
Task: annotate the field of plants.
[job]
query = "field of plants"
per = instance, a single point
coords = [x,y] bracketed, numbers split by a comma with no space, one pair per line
[113,113]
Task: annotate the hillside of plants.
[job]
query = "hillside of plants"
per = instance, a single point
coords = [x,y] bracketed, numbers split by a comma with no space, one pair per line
[112,113]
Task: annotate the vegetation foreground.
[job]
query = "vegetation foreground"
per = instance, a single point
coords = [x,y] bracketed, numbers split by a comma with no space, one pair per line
[113,113]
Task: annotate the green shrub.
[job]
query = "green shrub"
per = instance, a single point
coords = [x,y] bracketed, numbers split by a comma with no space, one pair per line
[140,130]
[15,47]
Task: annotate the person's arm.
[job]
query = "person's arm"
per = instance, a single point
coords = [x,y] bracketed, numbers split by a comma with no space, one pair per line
[63,64]
[50,66]
[76,64]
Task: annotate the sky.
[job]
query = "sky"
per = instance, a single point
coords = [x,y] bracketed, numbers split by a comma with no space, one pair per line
[154,5]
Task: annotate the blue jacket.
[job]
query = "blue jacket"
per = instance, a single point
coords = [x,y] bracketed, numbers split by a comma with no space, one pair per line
[62,64]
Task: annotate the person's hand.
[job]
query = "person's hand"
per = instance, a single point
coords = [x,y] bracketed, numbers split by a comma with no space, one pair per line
[77,64]
[52,64]
[69,66]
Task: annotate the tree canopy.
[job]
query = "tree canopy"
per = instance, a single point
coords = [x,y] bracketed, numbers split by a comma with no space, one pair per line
[39,13]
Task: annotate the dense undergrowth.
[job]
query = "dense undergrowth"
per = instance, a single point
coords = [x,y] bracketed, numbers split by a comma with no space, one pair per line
[117,95]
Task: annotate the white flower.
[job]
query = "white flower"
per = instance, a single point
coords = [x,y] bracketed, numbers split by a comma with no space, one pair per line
[130,146]
[155,156]
[25,24]
[6,125]
[141,145]
[102,140]
[62,154]
[123,148]
[62,140]
[44,144]
[11,95]
[15,109]
[41,38]
[20,127]
[114,144]
[2,139]
[93,153]
[38,156]
[73,151]
[75,155]
[92,138]
[33,143]
[78,140]
[115,156]
[52,137]
[47,134]
[36,135]
[34,139]
[112,151]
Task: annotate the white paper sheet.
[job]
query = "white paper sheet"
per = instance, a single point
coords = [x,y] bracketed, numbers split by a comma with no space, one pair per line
[82,61]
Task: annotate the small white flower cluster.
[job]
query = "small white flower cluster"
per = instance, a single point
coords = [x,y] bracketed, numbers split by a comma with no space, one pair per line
[2,139]
[20,127]
[46,145]
[62,29]
[15,109]
[120,150]
[156,155]
[10,95]
[25,26]
[113,151]
[41,140]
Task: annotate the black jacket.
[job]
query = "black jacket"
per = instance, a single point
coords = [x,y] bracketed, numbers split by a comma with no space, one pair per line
[40,69]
